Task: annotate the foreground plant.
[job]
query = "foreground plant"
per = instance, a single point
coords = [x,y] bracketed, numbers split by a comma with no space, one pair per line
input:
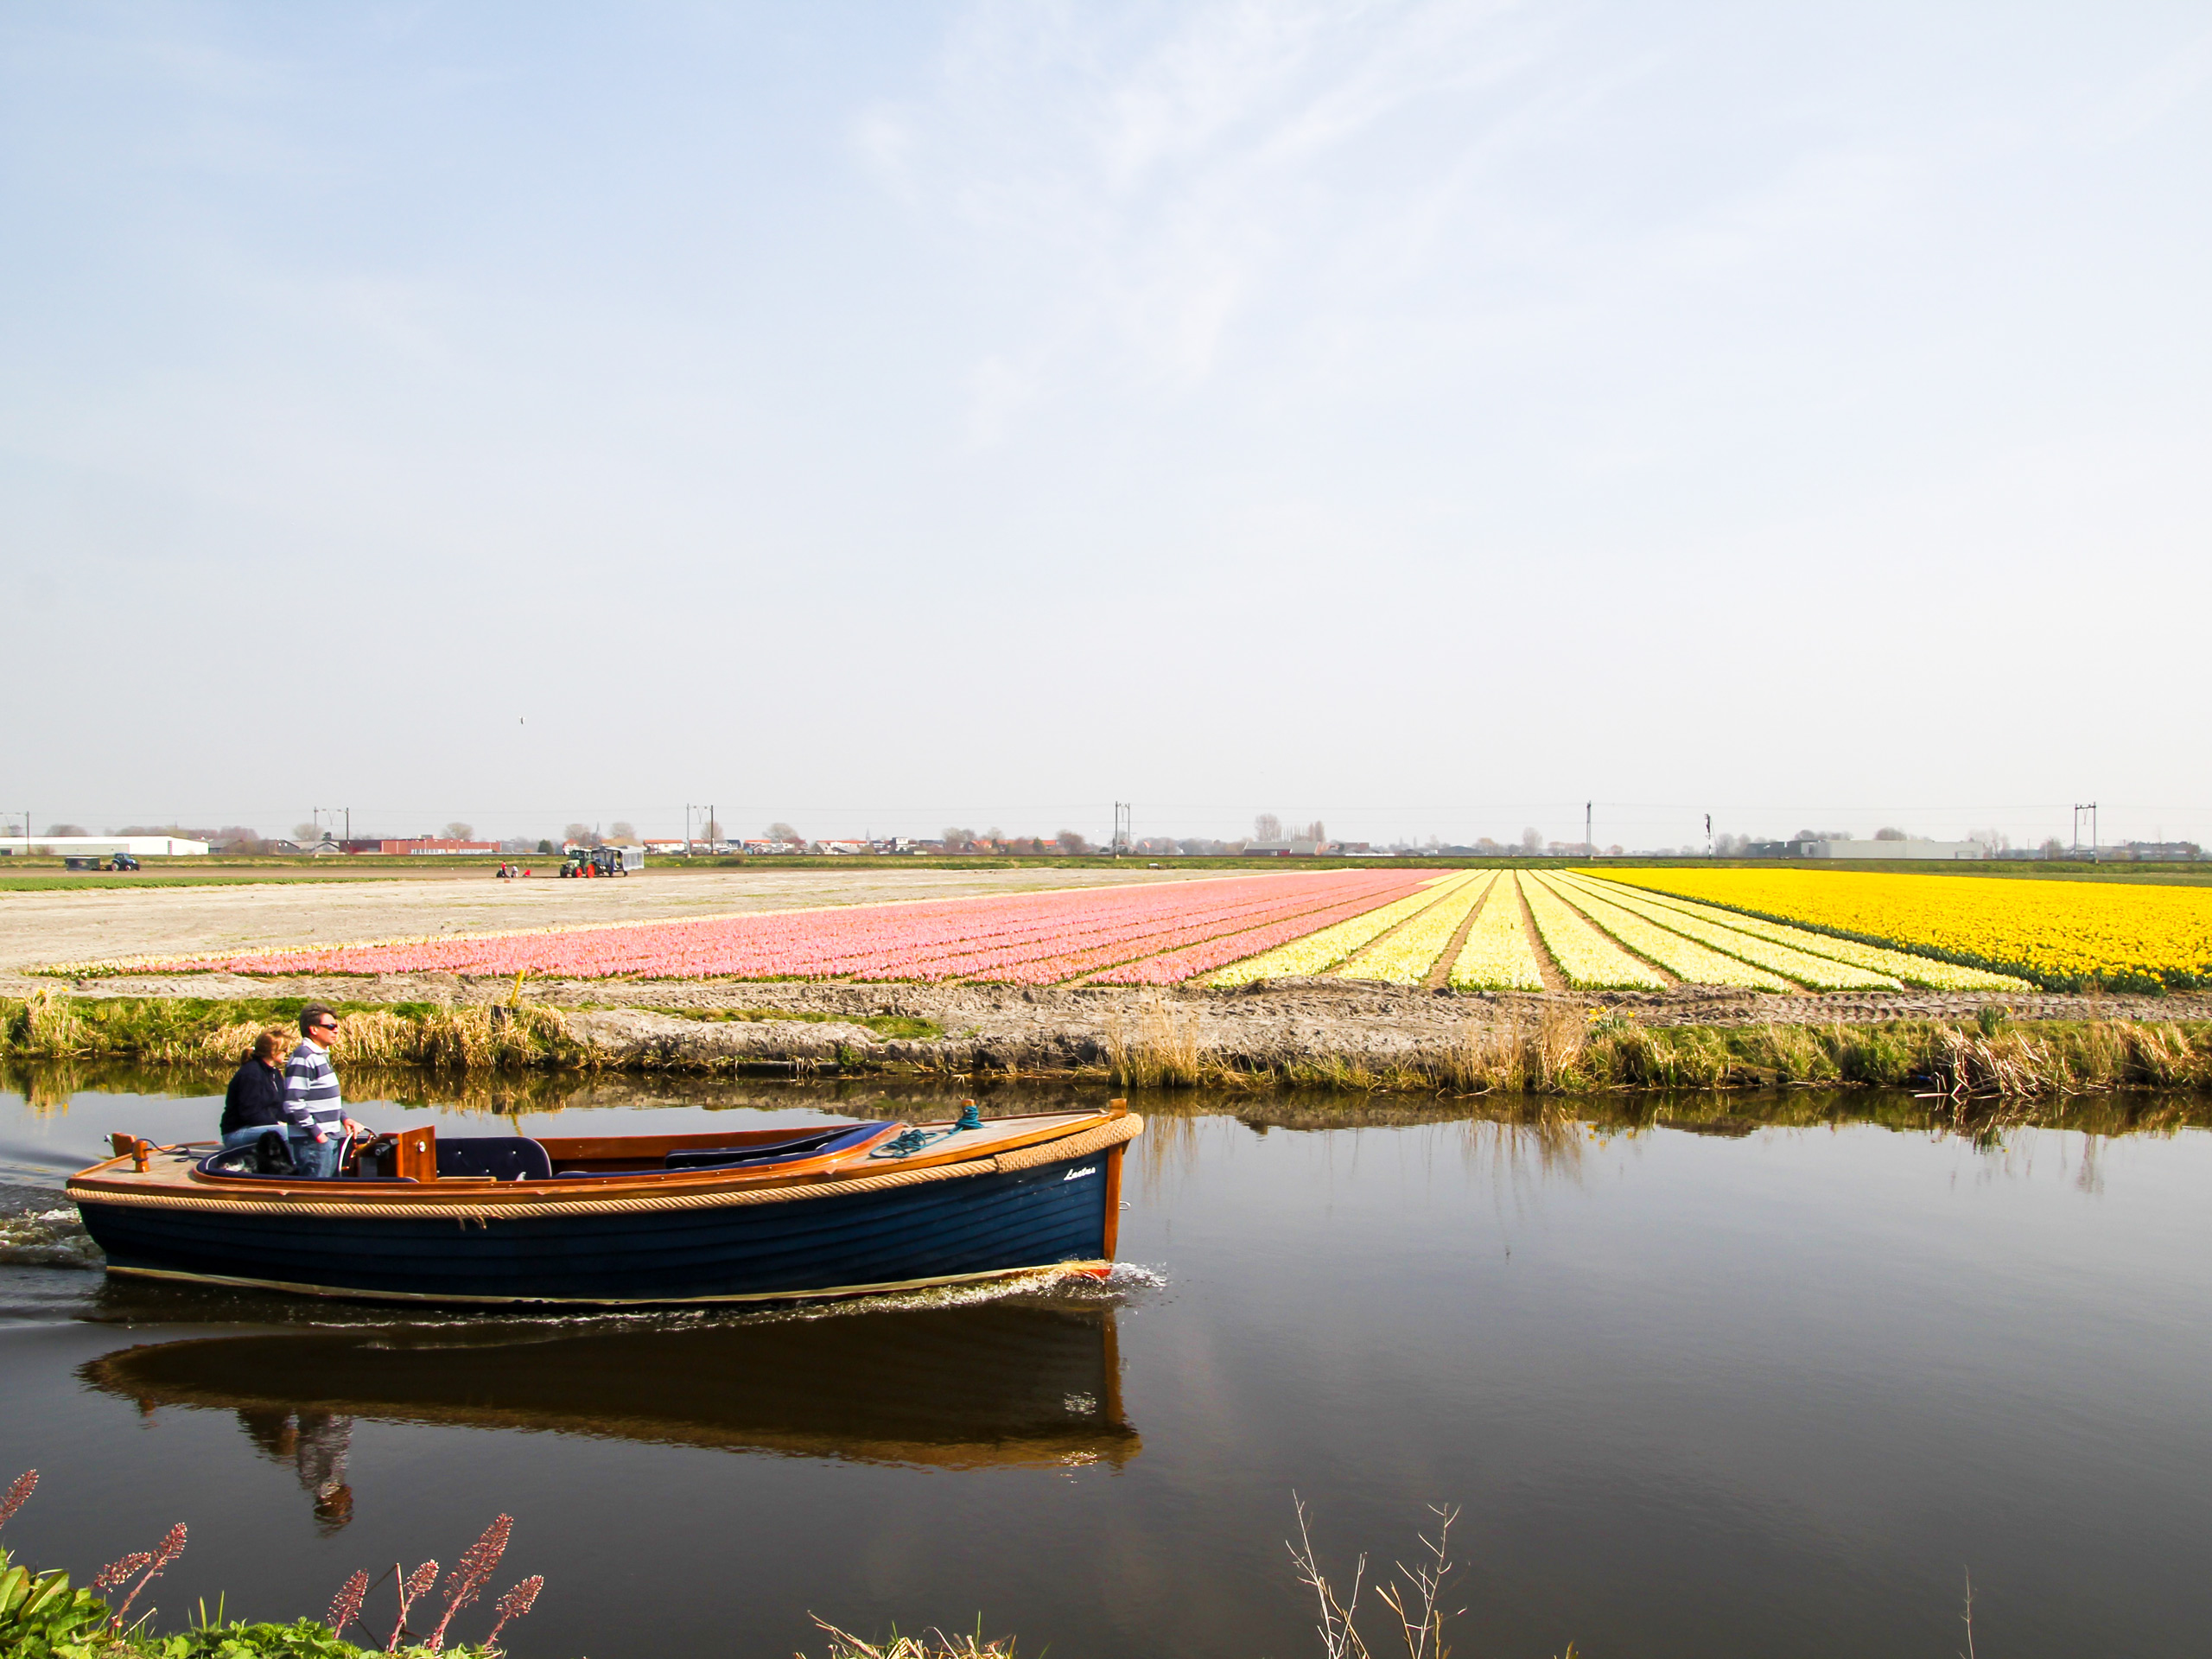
[1411,1596]
[41,1617]
[145,1566]
[932,1644]
[39,1612]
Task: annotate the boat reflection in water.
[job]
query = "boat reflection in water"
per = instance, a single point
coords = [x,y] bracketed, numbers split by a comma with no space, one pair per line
[1022,1383]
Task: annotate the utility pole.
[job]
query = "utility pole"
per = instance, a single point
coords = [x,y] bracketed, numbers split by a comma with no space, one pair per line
[1709,835]
[2089,807]
[1589,845]
[1121,827]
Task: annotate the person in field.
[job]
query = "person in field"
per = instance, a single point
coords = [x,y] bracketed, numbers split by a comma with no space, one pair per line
[254,1103]
[315,1123]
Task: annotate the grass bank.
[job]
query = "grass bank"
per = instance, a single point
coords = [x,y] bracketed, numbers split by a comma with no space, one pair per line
[198,1030]
[1553,1050]
[1562,1051]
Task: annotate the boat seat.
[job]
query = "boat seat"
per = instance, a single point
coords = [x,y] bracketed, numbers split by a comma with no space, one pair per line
[817,1144]
[505,1157]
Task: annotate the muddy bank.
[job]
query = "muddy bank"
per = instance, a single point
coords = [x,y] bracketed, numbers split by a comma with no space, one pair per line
[1337,1033]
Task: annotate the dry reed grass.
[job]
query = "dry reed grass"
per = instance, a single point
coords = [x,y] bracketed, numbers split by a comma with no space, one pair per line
[1543,1051]
[934,1644]
[1162,1053]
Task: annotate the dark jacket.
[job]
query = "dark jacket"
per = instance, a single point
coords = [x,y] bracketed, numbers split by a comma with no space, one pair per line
[256,1097]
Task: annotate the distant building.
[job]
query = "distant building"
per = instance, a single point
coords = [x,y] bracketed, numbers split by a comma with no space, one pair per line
[430,844]
[665,846]
[1928,850]
[2161,851]
[1285,849]
[104,846]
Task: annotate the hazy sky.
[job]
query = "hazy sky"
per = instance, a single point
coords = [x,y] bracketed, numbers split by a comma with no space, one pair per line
[878,417]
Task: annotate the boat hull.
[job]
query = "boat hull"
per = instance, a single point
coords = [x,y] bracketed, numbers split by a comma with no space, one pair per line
[931,1232]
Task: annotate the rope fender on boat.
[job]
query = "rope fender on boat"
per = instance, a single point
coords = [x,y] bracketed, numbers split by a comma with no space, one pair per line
[1103,1137]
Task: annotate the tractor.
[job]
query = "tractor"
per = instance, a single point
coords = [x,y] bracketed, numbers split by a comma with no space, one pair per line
[604,861]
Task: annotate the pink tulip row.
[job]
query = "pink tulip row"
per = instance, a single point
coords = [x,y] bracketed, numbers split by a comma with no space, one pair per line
[1170,959]
[1204,956]
[1029,938]
[1063,953]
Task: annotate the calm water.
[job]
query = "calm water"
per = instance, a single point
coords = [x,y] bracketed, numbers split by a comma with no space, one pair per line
[1697,1394]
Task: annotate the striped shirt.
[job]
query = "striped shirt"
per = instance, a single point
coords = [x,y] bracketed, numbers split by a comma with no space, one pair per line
[311,1099]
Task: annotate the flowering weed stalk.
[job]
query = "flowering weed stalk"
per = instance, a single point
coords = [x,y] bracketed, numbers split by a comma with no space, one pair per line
[116,1574]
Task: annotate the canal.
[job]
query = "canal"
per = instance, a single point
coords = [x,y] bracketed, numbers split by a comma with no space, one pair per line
[1766,1374]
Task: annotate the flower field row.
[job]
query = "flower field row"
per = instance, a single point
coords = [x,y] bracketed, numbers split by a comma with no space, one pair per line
[2062,935]
[1175,930]
[1498,956]
[1782,929]
[1589,960]
[1684,957]
[1317,952]
[1818,972]
[1882,965]
[1176,967]
[1406,956]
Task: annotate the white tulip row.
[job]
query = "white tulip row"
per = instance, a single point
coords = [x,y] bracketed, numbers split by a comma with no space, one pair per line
[1406,956]
[1498,956]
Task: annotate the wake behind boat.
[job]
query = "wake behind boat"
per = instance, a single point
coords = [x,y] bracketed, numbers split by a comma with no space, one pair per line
[768,1214]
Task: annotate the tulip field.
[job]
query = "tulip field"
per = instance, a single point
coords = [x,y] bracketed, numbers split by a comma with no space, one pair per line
[1626,929]
[2061,935]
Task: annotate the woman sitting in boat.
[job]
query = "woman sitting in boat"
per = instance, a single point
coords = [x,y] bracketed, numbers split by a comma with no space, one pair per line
[254,1103]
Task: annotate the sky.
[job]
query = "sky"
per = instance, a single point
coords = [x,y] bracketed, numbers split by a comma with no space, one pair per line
[1426,417]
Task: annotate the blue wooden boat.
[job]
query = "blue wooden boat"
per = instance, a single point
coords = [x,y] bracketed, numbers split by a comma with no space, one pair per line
[760,1216]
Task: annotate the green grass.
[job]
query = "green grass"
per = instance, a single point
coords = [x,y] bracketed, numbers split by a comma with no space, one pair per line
[71,880]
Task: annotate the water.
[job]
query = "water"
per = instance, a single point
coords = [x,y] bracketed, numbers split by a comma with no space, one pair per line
[1776,1390]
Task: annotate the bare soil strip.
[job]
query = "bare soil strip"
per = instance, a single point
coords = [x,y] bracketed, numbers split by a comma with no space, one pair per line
[1553,979]
[1439,972]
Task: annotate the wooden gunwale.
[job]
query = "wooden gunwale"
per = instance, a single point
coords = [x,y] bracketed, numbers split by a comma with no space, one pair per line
[114,1177]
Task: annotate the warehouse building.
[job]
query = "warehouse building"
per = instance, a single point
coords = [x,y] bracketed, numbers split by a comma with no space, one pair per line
[102,846]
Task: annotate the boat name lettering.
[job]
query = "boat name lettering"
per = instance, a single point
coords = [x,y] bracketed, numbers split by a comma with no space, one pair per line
[1077,1175]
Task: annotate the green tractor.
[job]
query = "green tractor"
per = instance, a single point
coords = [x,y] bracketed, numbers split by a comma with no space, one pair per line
[604,861]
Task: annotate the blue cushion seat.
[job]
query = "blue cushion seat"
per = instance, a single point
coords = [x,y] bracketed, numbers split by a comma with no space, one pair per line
[505,1157]
[817,1144]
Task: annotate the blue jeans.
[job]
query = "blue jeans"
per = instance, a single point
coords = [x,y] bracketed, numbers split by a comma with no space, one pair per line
[311,1157]
[248,1135]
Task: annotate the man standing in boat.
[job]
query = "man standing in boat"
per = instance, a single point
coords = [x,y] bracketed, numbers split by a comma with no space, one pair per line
[315,1115]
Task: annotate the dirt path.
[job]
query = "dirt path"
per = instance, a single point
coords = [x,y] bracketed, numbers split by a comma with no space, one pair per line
[1553,979]
[1440,973]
